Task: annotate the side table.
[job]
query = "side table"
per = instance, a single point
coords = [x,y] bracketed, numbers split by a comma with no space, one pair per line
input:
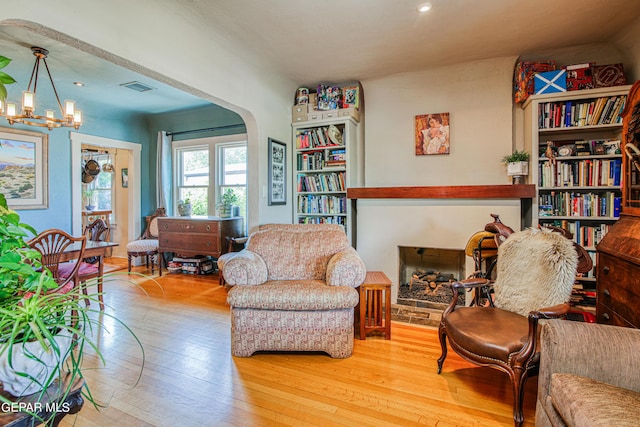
[376,286]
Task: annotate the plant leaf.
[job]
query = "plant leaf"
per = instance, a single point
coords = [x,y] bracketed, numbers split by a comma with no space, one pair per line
[6,78]
[4,61]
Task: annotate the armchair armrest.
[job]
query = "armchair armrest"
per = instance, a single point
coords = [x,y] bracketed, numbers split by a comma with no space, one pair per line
[346,268]
[246,268]
[601,352]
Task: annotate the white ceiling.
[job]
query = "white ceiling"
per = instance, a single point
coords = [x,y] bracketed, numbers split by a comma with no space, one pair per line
[313,41]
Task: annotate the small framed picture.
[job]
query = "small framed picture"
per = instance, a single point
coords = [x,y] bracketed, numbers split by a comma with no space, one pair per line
[432,134]
[277,172]
[125,177]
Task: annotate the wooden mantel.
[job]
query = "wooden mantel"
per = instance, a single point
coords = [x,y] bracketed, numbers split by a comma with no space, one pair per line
[524,191]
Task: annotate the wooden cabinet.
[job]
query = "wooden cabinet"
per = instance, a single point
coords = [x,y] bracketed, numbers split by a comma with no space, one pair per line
[619,274]
[192,236]
[327,161]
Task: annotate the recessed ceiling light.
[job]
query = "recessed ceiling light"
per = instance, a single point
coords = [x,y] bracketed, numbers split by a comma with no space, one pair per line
[78,84]
[424,7]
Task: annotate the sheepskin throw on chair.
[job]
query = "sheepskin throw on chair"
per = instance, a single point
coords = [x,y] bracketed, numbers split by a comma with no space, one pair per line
[533,260]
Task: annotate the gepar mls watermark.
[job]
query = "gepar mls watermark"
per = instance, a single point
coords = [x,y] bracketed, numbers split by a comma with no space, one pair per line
[36,407]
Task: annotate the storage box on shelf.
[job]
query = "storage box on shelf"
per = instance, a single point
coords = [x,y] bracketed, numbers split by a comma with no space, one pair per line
[326,162]
[574,138]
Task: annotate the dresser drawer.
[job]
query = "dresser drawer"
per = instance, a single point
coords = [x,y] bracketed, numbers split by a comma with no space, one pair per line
[199,243]
[619,288]
[189,226]
[607,316]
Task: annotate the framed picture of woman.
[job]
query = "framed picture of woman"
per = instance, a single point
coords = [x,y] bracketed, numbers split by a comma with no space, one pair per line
[432,134]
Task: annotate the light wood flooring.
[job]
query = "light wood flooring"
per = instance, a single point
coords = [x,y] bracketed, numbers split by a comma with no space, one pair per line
[191,379]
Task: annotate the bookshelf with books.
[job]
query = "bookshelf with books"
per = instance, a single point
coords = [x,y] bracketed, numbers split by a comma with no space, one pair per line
[575,141]
[327,161]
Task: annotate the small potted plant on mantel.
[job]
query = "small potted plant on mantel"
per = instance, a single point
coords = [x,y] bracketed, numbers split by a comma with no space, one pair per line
[517,165]
[43,334]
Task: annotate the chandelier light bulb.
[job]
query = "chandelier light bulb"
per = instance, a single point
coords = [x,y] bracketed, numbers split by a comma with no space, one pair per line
[424,7]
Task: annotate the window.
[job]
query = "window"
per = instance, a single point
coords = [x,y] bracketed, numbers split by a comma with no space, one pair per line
[99,193]
[193,178]
[232,161]
[204,168]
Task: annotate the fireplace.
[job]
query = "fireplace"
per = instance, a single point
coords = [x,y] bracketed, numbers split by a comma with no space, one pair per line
[425,275]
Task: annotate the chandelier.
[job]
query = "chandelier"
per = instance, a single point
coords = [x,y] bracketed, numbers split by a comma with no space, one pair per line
[70,116]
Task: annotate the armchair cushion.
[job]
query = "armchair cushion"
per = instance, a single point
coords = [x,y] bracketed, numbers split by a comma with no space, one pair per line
[582,401]
[593,360]
[297,255]
[489,331]
[346,268]
[245,268]
[293,295]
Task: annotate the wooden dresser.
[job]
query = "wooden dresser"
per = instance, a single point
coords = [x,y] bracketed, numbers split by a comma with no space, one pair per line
[205,235]
[618,273]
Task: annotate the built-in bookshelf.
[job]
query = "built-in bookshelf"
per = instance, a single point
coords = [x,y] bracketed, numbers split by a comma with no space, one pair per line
[326,165]
[575,142]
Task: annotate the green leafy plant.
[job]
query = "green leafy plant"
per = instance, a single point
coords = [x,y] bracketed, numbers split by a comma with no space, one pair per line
[227,199]
[516,156]
[5,79]
[53,330]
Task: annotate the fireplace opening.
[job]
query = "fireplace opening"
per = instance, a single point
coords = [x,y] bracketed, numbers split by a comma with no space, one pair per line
[425,275]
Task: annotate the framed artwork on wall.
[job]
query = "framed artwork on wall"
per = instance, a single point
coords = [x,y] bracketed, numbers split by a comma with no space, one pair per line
[125,177]
[277,173]
[432,134]
[24,172]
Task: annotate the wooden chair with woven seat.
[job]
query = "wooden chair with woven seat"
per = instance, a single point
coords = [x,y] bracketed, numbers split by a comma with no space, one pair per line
[536,270]
[92,267]
[147,244]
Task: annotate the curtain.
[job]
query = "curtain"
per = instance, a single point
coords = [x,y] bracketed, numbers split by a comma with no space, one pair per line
[163,173]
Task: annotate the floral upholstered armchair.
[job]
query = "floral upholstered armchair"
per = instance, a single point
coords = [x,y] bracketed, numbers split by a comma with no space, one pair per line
[293,289]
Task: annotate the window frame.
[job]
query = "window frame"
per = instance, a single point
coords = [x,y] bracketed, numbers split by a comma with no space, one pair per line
[214,145]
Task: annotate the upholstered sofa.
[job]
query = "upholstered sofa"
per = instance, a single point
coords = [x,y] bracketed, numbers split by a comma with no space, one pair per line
[293,289]
[589,375]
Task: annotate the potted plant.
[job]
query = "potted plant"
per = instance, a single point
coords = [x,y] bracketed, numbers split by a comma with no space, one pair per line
[88,199]
[184,207]
[517,165]
[43,334]
[225,203]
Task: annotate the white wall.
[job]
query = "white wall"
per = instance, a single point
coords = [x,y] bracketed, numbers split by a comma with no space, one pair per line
[478,97]
[164,42]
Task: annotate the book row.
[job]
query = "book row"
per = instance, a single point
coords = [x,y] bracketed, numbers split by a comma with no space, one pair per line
[316,137]
[588,112]
[567,203]
[341,220]
[319,160]
[323,182]
[322,204]
[581,173]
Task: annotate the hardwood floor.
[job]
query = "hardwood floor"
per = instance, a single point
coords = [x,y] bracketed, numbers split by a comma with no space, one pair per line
[191,379]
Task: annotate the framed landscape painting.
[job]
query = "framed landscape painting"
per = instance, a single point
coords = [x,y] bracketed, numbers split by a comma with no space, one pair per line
[24,168]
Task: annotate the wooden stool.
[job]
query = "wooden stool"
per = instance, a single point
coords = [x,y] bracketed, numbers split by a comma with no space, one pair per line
[375,285]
